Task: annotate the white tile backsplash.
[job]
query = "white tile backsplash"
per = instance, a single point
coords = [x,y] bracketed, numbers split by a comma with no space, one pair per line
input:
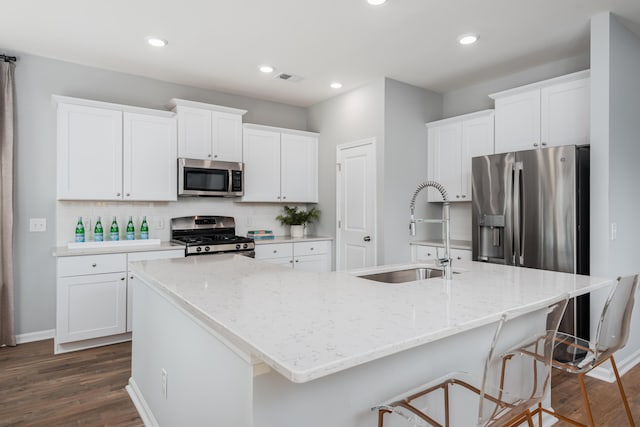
[248,216]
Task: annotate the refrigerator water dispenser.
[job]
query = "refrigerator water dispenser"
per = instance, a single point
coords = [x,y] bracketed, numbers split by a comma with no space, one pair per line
[490,237]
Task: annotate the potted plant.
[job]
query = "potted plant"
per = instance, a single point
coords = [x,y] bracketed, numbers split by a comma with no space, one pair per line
[298,219]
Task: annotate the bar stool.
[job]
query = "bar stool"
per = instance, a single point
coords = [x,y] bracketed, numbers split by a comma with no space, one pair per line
[579,356]
[516,377]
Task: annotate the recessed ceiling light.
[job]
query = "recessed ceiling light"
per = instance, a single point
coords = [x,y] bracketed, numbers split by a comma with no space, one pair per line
[336,85]
[266,69]
[376,2]
[469,38]
[156,41]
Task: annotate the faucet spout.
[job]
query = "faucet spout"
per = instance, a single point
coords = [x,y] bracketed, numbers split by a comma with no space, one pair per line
[444,262]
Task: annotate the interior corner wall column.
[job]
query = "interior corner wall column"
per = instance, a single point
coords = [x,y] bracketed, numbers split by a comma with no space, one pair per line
[7,122]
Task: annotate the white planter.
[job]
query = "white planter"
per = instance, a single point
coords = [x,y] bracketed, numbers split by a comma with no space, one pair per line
[297,230]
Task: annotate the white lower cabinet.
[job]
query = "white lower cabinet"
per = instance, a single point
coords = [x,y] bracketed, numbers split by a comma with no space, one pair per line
[429,253]
[314,256]
[93,303]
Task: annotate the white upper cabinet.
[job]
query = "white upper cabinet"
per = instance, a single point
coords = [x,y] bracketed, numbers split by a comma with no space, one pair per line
[209,132]
[280,165]
[549,113]
[114,152]
[89,160]
[452,144]
[149,157]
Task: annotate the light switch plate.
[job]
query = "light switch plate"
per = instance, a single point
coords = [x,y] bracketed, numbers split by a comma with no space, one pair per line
[37,225]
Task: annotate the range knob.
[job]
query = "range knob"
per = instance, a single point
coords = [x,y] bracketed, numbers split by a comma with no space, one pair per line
[207,248]
[245,246]
[238,246]
[198,249]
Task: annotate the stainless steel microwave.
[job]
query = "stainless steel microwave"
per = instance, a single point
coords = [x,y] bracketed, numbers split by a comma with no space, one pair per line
[210,178]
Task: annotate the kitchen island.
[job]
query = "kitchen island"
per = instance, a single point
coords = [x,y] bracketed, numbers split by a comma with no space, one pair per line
[231,341]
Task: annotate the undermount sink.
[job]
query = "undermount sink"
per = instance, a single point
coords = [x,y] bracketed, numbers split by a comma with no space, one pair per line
[402,276]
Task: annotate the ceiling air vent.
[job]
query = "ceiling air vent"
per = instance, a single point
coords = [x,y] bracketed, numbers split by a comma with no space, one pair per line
[288,77]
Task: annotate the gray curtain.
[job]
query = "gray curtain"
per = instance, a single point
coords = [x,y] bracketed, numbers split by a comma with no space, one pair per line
[7,121]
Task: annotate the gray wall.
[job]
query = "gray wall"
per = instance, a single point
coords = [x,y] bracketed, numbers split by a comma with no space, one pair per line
[349,117]
[37,79]
[475,97]
[407,109]
[615,175]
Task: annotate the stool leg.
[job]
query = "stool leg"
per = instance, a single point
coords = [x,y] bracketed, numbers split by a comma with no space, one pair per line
[381,413]
[585,397]
[622,393]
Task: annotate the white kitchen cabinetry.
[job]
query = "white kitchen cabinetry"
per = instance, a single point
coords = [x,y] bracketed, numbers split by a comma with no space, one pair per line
[430,253]
[280,165]
[209,132]
[114,152]
[545,114]
[313,256]
[94,298]
[452,143]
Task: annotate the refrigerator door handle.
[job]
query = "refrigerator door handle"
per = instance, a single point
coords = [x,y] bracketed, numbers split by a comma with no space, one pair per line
[517,206]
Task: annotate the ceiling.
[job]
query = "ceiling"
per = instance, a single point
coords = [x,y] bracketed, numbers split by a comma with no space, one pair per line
[218,44]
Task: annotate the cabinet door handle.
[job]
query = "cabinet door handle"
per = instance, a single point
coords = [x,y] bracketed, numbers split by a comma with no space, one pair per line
[118,194]
[459,258]
[278,197]
[297,260]
[284,197]
[122,278]
[457,196]
[544,144]
[311,249]
[290,261]
[94,264]
[367,238]
[464,196]
[131,277]
[428,253]
[535,144]
[128,194]
[215,156]
[275,251]
[208,155]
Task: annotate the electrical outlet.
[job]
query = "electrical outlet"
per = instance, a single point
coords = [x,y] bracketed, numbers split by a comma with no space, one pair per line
[37,225]
[164,383]
[614,231]
[158,222]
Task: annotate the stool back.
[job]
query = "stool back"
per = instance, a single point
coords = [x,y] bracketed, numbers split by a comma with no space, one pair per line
[613,328]
[517,372]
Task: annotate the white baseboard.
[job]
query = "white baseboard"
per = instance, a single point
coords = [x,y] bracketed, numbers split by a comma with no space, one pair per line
[35,336]
[141,405]
[604,372]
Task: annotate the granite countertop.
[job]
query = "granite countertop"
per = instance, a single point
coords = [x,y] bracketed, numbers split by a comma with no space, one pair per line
[63,251]
[455,244]
[289,239]
[308,325]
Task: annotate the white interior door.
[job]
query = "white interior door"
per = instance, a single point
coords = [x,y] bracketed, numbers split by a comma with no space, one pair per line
[356,205]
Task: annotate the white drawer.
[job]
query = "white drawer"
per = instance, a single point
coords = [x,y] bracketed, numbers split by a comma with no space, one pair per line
[151,255]
[311,248]
[274,250]
[91,264]
[460,255]
[423,253]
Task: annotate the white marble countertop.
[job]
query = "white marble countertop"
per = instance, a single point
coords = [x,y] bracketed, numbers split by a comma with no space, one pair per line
[455,244]
[308,325]
[63,251]
[289,239]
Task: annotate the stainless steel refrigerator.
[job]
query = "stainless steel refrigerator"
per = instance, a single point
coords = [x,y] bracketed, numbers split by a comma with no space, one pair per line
[531,209]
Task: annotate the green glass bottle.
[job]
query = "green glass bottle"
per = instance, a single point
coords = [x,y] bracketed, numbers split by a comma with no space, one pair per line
[98,232]
[115,231]
[131,232]
[79,231]
[144,229]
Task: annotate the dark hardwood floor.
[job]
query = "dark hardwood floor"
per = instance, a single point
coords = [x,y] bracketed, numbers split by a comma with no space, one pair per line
[86,388]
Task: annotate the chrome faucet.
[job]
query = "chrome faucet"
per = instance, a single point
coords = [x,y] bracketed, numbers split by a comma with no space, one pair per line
[444,262]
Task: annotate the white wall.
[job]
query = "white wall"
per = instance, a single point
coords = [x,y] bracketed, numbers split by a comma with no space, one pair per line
[406,110]
[349,117]
[37,79]
[615,150]
[475,97]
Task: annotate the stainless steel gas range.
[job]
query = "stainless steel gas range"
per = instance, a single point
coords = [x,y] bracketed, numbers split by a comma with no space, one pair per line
[206,235]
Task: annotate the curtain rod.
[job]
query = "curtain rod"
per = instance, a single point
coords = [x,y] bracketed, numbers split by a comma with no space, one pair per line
[7,58]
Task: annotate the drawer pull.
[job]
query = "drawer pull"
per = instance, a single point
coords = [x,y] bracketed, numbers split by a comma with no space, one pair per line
[122,278]
[131,277]
[290,261]
[297,260]
[275,251]
[94,264]
[311,249]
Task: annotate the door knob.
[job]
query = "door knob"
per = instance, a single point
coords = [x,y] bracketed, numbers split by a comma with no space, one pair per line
[367,238]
